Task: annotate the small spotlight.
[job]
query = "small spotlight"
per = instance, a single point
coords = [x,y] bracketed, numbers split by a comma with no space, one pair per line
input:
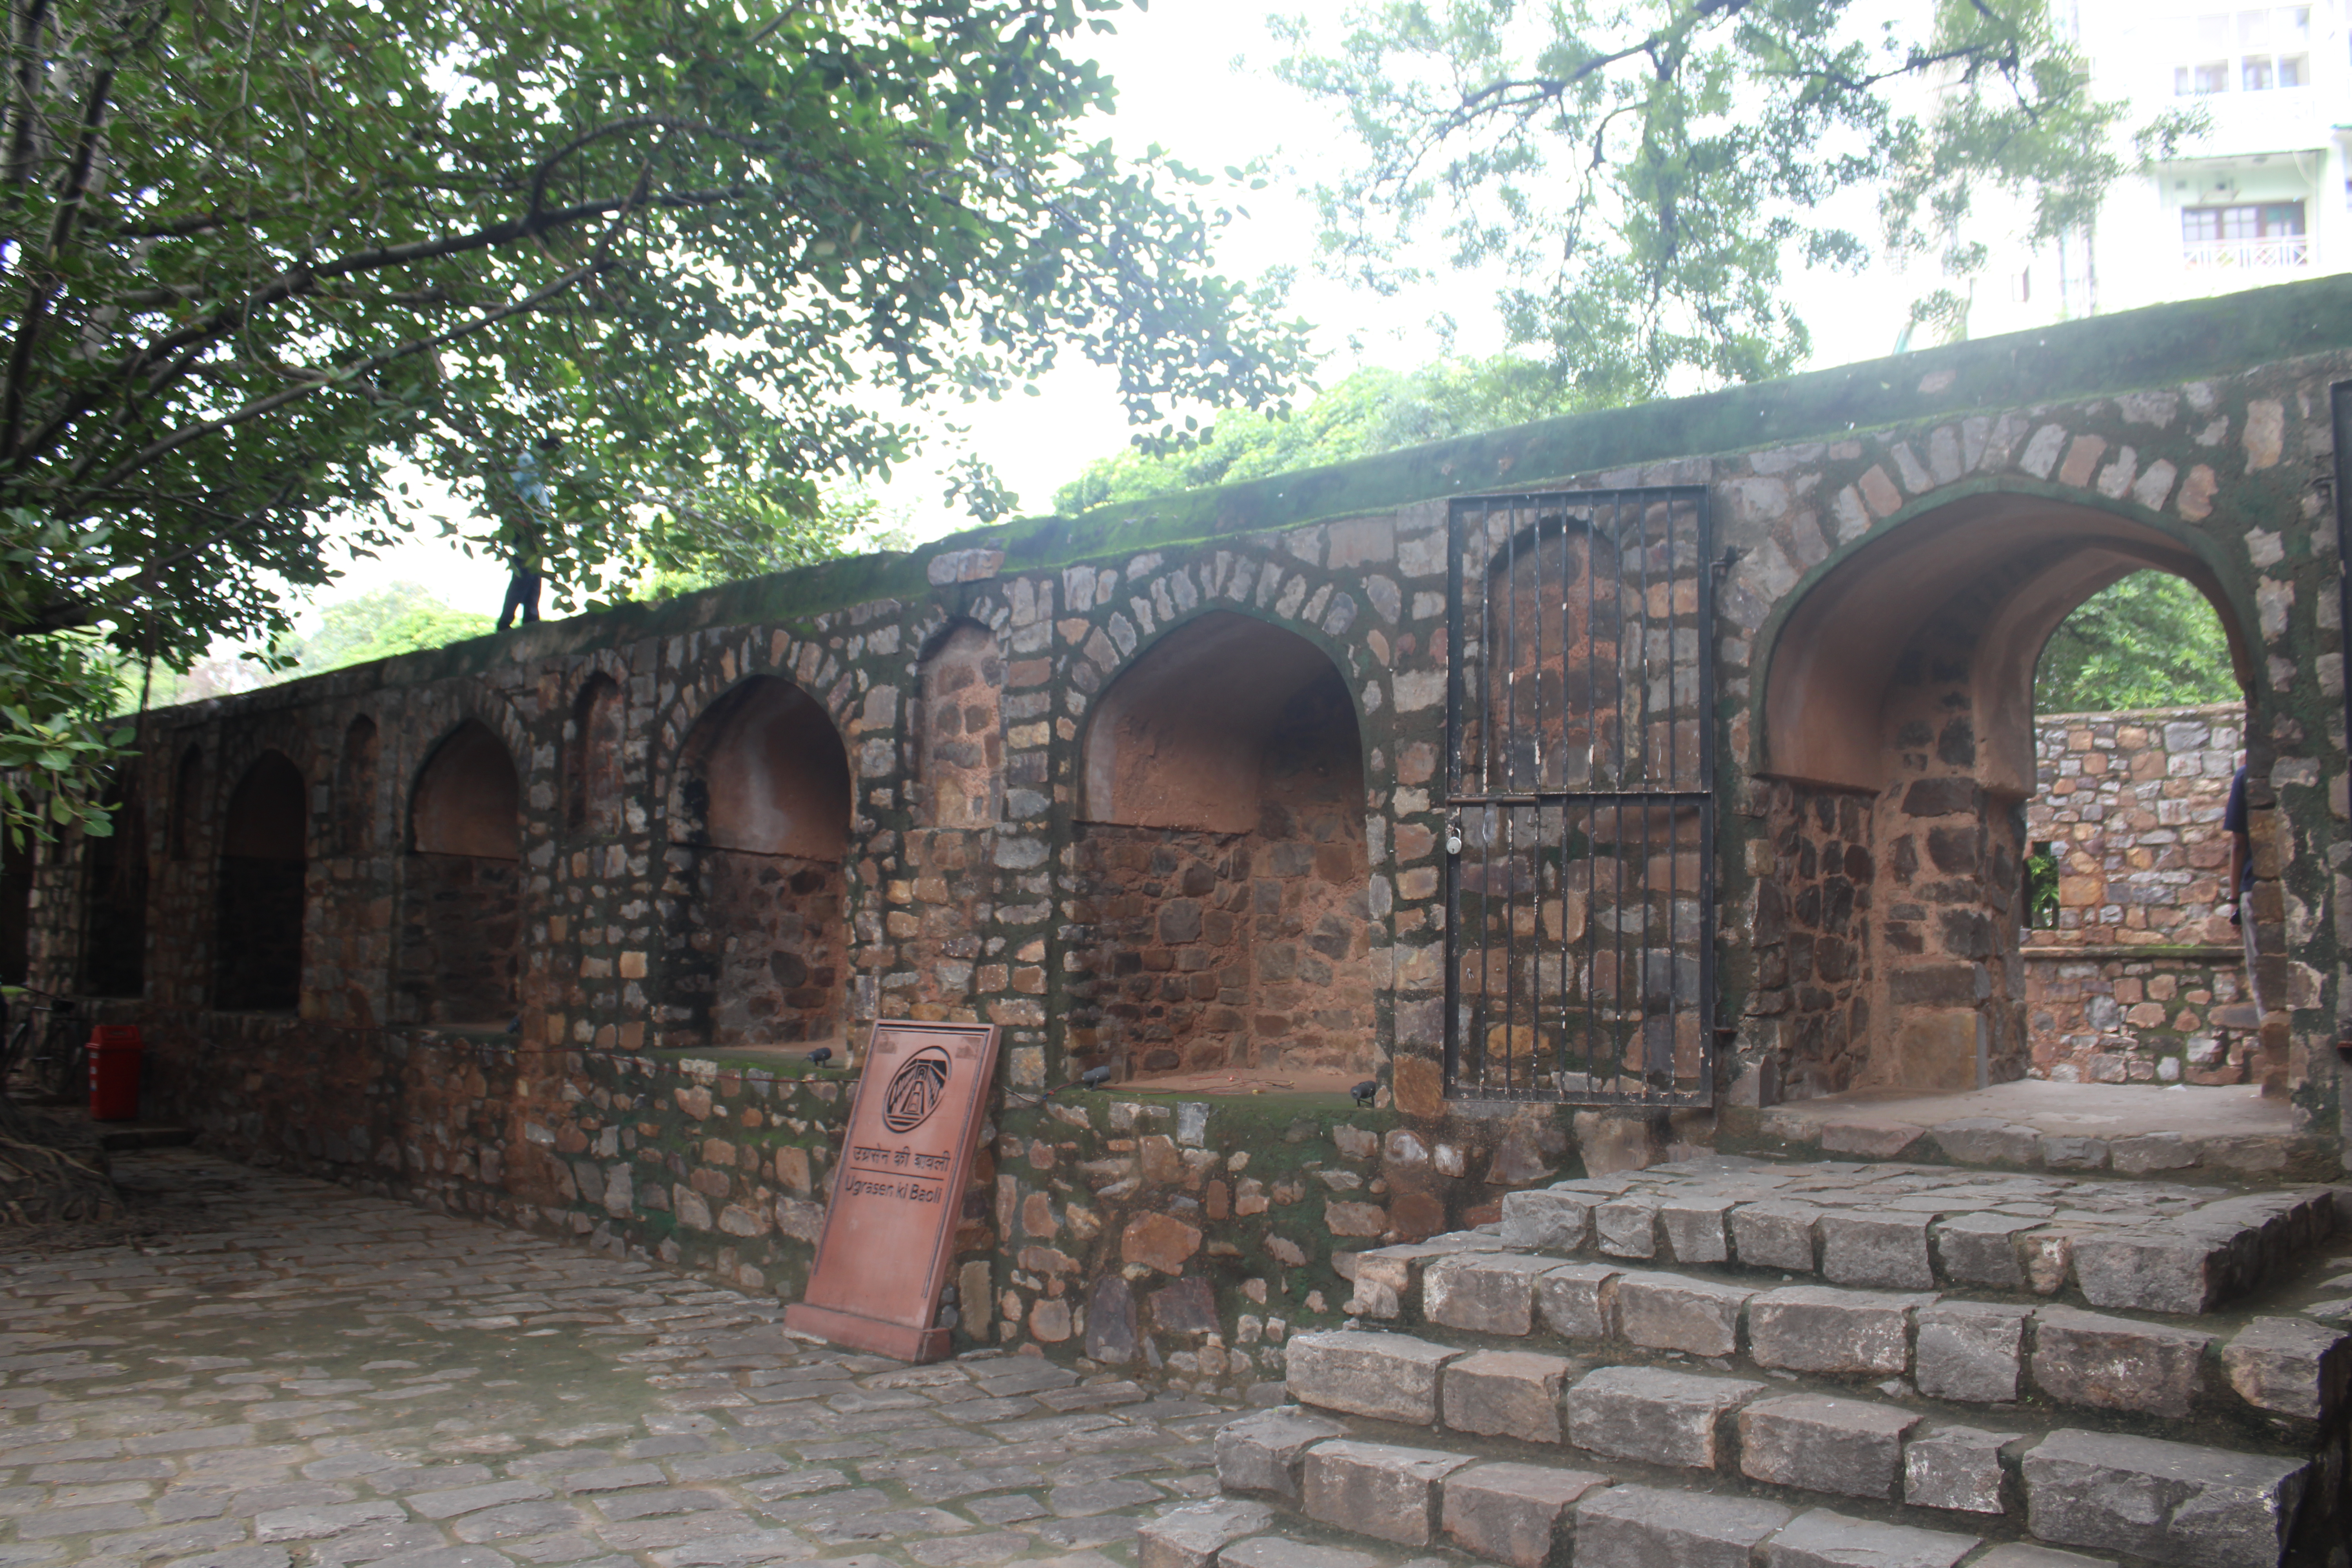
[1094,1077]
[1364,1092]
[820,1056]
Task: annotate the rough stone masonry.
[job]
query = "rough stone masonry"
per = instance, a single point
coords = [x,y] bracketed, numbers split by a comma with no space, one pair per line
[556,912]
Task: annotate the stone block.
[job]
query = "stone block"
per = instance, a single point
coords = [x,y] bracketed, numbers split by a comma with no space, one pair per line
[1378,1488]
[1661,1417]
[2065,1152]
[1483,1292]
[1873,1140]
[1671,1312]
[1643,1527]
[1388,1281]
[2116,1363]
[2178,1270]
[1697,1228]
[1886,1251]
[1558,1221]
[1815,1328]
[2290,1366]
[1579,1300]
[2019,1554]
[1981,1249]
[1627,1227]
[1824,1445]
[1506,1394]
[1280,1552]
[1775,1235]
[1389,1377]
[1969,1351]
[1522,1515]
[1264,1453]
[2149,1153]
[1955,1467]
[1986,1141]
[1192,1534]
[1820,1538]
[2169,1502]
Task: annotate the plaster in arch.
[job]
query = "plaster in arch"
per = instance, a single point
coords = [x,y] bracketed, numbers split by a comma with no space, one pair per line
[1223,867]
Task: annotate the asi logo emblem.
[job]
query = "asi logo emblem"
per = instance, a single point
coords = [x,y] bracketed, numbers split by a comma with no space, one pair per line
[916,1091]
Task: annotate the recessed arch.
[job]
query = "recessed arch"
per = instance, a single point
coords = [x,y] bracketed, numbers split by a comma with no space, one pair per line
[1180,738]
[764,770]
[355,782]
[761,811]
[1221,865]
[1898,752]
[468,800]
[257,928]
[958,724]
[461,913]
[114,934]
[593,775]
[2015,562]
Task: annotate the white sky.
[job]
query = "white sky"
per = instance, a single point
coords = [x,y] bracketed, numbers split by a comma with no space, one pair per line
[1179,86]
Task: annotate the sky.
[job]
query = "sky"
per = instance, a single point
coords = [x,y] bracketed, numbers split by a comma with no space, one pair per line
[1194,77]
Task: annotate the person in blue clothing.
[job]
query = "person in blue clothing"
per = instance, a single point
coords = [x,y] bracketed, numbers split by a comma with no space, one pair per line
[529,533]
[2241,879]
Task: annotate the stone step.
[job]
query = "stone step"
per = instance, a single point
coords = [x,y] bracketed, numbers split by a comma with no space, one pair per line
[1972,1352]
[2161,1502]
[2131,1246]
[1746,1432]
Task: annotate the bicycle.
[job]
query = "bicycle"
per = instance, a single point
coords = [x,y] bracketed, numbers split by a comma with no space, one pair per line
[55,1074]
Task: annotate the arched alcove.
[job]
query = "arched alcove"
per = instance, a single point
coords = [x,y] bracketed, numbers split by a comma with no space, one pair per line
[114,939]
[355,781]
[1899,746]
[1220,863]
[958,729]
[761,812]
[591,760]
[187,803]
[15,910]
[257,926]
[461,887]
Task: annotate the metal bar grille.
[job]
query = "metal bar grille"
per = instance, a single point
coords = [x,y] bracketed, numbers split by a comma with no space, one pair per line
[1580,819]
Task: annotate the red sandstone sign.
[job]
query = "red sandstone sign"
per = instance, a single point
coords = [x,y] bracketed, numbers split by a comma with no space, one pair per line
[897,1191]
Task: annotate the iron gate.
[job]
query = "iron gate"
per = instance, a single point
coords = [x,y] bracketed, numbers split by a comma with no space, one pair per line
[1580,821]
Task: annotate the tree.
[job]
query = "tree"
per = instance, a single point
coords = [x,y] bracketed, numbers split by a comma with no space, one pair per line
[2149,641]
[253,256]
[401,618]
[1637,173]
[1372,411]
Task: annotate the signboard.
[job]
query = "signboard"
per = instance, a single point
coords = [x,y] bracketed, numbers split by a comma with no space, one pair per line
[897,1191]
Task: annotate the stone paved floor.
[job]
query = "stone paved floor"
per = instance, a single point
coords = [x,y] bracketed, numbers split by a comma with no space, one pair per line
[306,1375]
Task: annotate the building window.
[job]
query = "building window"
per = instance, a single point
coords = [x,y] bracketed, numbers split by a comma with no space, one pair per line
[2254,235]
[2258,49]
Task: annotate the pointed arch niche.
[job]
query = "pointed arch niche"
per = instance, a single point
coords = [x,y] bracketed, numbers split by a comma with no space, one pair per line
[257,900]
[461,911]
[762,815]
[1220,864]
[1898,759]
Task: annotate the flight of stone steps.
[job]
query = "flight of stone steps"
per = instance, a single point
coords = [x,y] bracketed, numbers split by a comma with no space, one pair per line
[1736,1363]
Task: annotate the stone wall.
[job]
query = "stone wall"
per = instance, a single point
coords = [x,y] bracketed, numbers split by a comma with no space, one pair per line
[2141,978]
[962,883]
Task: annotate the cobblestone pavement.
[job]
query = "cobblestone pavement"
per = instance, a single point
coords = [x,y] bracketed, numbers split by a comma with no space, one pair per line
[312,1376]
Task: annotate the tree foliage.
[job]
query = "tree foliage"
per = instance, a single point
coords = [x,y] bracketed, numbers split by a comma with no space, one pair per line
[403,617]
[1638,172]
[253,256]
[1372,411]
[2148,641]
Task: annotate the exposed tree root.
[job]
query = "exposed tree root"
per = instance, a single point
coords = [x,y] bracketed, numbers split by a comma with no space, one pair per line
[51,1171]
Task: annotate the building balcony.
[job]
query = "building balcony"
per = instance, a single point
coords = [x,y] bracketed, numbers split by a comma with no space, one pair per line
[2276,253]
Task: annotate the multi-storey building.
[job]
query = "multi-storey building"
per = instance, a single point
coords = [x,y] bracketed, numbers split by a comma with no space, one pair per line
[2264,195]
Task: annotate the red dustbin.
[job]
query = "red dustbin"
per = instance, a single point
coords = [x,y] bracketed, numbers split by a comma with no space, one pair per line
[114,1072]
